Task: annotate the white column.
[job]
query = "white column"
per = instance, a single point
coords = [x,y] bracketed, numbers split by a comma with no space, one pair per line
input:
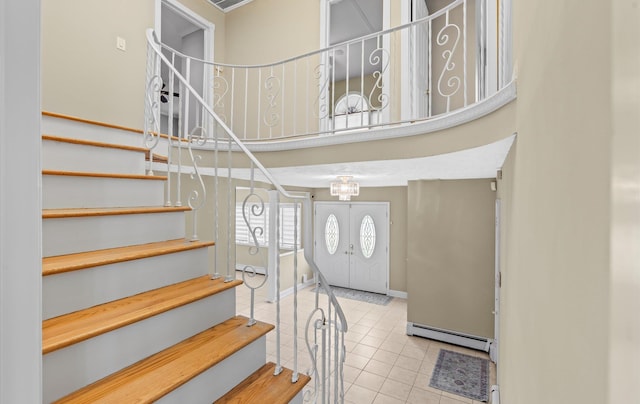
[20,203]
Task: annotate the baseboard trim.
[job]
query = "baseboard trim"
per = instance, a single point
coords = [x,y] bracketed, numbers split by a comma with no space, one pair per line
[397,293]
[451,337]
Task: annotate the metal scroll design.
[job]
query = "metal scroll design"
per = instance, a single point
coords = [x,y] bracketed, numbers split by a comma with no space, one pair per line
[315,321]
[321,103]
[249,271]
[321,328]
[197,198]
[450,86]
[220,91]
[379,56]
[271,117]
[151,134]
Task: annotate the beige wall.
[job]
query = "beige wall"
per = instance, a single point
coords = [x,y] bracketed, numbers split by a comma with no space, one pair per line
[84,75]
[555,283]
[397,197]
[267,31]
[450,255]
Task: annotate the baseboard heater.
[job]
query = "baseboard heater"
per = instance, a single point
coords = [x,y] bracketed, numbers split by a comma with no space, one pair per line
[451,337]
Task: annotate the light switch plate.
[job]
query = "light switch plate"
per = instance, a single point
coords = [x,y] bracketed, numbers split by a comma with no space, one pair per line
[121,43]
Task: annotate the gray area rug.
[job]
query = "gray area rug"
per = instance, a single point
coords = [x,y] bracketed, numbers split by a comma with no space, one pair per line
[359,295]
[461,374]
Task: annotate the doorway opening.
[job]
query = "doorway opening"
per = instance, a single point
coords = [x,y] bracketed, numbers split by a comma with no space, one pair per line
[190,34]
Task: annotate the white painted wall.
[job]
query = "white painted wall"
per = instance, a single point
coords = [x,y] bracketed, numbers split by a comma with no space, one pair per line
[20,203]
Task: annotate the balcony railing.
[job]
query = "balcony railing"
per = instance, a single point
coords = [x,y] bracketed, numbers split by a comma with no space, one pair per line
[407,74]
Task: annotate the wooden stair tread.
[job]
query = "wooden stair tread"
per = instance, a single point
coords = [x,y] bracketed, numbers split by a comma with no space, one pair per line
[69,329]
[85,212]
[93,143]
[153,377]
[105,175]
[72,262]
[263,387]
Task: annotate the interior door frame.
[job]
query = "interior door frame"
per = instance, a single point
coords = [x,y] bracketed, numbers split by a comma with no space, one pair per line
[387,228]
[196,19]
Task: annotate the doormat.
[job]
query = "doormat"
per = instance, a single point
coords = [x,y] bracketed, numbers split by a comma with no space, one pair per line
[461,374]
[368,297]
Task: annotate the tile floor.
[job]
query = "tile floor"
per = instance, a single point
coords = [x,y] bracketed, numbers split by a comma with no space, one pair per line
[383,365]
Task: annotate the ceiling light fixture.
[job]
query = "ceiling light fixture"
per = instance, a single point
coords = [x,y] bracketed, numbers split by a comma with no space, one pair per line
[344,189]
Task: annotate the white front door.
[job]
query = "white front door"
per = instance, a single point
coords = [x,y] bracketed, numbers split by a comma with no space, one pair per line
[352,244]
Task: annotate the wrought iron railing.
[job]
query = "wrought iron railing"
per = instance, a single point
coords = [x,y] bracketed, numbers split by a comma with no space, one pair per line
[175,107]
[410,73]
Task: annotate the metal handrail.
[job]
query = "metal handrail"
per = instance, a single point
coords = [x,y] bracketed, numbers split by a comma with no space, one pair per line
[304,197]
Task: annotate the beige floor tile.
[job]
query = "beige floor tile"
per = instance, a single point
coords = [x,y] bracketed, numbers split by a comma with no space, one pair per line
[350,373]
[369,381]
[372,341]
[413,352]
[378,333]
[364,350]
[379,368]
[396,389]
[360,395]
[408,363]
[385,356]
[457,397]
[449,400]
[402,375]
[423,397]
[385,399]
[356,361]
[391,346]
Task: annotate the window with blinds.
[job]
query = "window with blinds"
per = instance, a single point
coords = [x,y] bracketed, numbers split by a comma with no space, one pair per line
[258,218]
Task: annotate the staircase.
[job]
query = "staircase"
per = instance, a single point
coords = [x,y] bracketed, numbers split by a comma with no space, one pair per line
[130,312]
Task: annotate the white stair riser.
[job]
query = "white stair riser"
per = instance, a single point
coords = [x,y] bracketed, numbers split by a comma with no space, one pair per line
[299,398]
[65,191]
[78,234]
[218,380]
[71,368]
[77,290]
[63,156]
[79,130]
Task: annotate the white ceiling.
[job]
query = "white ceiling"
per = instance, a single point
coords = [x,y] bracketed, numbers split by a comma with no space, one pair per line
[478,162]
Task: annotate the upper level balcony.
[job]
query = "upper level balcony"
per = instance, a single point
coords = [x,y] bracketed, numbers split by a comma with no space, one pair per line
[450,64]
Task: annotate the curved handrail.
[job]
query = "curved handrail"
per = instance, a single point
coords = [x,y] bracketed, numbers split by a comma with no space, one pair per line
[433,16]
[156,46]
